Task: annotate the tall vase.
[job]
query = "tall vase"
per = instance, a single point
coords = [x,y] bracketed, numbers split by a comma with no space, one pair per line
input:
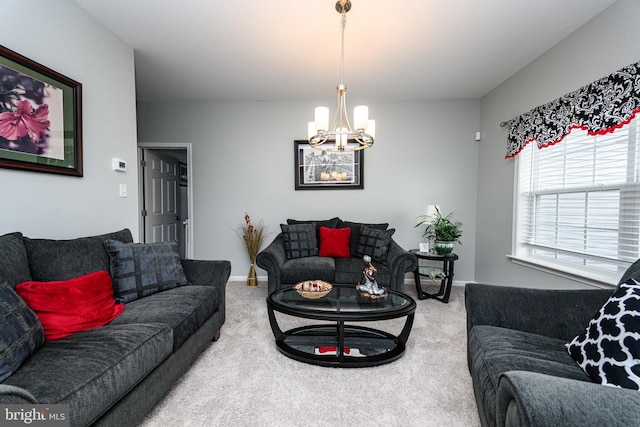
[252,278]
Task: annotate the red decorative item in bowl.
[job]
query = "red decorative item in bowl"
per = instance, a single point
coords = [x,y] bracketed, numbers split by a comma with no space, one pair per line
[313,289]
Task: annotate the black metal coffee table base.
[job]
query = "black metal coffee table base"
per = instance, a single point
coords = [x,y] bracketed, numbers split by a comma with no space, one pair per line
[375,347]
[334,343]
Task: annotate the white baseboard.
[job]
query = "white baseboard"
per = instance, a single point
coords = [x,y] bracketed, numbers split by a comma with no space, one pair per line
[244,278]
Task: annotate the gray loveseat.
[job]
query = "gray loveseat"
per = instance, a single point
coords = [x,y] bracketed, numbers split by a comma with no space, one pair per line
[112,375]
[285,272]
[522,373]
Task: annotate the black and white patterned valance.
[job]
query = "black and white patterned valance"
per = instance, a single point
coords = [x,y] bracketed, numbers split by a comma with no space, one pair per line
[599,108]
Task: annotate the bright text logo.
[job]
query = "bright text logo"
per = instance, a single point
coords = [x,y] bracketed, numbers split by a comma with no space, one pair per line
[34,415]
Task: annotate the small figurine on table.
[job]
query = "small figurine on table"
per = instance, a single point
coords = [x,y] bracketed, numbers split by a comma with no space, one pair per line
[368,283]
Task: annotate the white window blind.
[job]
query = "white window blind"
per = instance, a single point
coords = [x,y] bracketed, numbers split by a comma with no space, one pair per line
[578,203]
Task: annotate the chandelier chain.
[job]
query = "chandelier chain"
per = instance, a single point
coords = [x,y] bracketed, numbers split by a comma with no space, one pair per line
[343,22]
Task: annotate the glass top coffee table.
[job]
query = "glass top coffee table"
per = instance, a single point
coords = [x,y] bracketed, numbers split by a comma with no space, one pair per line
[335,343]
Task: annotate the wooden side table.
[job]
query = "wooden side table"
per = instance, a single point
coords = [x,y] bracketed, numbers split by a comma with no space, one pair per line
[444,274]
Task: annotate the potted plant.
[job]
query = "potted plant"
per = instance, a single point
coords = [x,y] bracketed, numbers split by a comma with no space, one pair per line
[442,230]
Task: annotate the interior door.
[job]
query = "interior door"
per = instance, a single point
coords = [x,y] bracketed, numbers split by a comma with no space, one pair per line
[161,175]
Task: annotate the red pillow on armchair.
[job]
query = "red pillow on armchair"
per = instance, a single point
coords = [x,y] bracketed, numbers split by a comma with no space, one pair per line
[69,306]
[334,242]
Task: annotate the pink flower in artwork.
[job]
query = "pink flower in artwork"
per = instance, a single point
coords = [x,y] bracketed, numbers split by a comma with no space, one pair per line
[25,120]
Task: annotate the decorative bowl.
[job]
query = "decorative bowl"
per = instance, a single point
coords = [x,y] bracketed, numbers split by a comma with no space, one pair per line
[313,289]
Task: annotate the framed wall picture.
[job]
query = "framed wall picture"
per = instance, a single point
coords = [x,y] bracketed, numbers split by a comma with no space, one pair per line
[40,117]
[326,170]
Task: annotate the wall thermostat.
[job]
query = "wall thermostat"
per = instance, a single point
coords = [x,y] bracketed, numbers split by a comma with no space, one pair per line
[119,165]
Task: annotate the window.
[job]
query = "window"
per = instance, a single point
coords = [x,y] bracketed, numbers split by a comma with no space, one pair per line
[578,203]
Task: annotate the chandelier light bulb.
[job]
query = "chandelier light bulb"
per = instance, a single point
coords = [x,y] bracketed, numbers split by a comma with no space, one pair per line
[342,138]
[361,117]
[322,119]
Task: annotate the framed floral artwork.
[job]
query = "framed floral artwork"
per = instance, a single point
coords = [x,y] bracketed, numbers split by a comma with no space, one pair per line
[40,117]
[327,170]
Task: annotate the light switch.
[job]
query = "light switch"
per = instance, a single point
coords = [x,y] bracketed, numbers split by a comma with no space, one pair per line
[123,190]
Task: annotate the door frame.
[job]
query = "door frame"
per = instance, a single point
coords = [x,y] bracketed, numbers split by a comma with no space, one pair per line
[168,146]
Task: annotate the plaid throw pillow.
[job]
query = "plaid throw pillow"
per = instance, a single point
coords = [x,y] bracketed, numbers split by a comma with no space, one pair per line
[21,332]
[299,240]
[374,243]
[355,232]
[140,269]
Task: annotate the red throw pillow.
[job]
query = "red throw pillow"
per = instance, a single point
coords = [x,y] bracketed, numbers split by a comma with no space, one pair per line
[334,242]
[69,306]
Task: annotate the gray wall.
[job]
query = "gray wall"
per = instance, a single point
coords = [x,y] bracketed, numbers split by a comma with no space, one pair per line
[425,152]
[243,162]
[64,38]
[603,45]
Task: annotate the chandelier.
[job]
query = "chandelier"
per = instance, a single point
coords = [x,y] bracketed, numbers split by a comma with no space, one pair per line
[341,136]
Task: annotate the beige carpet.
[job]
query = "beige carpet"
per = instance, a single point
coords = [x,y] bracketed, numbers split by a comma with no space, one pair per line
[243,380]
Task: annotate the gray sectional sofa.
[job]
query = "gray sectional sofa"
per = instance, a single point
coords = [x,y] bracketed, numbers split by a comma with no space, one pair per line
[283,271]
[112,375]
[522,372]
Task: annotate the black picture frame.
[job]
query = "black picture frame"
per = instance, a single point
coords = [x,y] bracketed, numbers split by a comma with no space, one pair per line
[327,170]
[40,117]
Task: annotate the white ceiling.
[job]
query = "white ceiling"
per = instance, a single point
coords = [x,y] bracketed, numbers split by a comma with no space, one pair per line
[285,50]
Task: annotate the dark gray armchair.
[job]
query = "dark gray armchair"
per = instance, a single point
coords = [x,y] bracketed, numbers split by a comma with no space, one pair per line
[522,373]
